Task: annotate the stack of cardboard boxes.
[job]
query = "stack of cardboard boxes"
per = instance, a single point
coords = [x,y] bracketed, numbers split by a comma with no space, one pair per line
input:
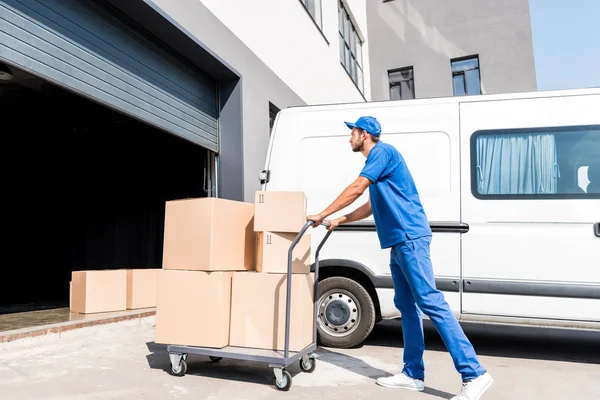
[224,276]
[112,290]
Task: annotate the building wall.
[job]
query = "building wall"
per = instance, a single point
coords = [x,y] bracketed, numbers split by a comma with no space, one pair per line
[259,84]
[426,34]
[283,35]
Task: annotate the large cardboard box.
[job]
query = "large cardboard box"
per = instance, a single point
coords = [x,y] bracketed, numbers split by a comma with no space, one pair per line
[279,211]
[258,305]
[141,288]
[209,234]
[272,252]
[193,308]
[98,291]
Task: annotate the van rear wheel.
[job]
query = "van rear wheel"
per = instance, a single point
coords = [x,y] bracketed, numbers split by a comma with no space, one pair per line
[346,313]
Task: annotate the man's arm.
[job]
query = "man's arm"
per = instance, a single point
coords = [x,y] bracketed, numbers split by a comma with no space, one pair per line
[361,212]
[347,197]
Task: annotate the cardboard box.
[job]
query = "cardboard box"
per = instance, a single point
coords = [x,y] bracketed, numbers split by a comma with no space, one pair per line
[279,211]
[258,305]
[272,252]
[209,234]
[141,288]
[193,308]
[98,291]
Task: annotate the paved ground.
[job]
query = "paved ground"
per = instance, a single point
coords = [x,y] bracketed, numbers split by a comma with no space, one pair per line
[120,361]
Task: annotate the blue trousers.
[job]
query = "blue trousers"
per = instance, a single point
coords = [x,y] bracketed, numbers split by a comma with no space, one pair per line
[414,288]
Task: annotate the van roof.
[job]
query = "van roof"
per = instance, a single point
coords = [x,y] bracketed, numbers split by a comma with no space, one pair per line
[445,100]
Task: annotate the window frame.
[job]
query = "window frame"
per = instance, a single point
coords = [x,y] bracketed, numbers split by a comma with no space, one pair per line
[403,69]
[463,74]
[355,59]
[522,131]
[318,24]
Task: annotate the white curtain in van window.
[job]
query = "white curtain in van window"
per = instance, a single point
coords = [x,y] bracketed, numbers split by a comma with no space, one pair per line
[517,164]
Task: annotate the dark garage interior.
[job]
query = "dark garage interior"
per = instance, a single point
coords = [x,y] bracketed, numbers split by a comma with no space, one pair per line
[84,188]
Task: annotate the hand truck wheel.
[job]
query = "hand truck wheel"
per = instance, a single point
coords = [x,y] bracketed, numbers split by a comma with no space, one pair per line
[308,366]
[285,383]
[180,369]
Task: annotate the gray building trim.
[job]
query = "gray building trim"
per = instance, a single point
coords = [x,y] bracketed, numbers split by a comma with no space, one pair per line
[231,158]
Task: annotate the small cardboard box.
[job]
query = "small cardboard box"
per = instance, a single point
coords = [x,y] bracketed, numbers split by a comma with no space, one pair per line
[258,305]
[141,288]
[209,234]
[279,211]
[193,308]
[272,252]
[98,291]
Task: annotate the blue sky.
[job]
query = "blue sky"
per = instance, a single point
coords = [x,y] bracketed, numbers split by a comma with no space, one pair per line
[566,43]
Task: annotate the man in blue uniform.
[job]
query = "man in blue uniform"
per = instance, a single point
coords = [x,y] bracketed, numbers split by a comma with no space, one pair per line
[403,227]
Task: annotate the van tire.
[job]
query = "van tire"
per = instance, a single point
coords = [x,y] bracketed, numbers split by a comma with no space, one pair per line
[351,291]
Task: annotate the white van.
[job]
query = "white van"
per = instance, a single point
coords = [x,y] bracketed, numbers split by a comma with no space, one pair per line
[510,184]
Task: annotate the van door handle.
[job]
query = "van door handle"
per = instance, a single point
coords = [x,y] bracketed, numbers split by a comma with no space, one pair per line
[597,229]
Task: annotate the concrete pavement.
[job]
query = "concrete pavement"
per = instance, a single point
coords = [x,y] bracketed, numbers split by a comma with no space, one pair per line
[121,361]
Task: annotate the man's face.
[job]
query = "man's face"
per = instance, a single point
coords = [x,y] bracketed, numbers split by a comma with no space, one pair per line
[357,140]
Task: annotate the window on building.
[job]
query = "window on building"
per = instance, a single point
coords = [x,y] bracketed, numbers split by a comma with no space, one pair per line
[402,84]
[314,9]
[273,111]
[536,163]
[465,76]
[350,47]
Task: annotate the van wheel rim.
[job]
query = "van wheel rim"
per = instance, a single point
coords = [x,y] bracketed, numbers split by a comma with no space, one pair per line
[339,313]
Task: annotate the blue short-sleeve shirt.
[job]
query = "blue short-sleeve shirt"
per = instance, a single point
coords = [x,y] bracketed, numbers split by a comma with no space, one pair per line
[397,209]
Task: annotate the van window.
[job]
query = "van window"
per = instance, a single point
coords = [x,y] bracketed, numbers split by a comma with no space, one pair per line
[557,162]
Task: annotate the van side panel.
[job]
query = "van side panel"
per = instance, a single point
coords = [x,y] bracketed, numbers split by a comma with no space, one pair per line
[530,250]
[311,152]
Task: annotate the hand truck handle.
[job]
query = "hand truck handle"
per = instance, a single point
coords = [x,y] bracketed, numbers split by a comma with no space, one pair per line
[289,279]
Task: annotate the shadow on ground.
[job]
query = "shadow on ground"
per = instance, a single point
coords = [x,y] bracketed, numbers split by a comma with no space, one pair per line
[504,341]
[358,366]
[489,340]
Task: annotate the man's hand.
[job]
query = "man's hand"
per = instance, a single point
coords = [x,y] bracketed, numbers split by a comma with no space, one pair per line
[316,219]
[333,223]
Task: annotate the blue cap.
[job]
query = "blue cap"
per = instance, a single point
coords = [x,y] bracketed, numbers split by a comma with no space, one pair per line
[369,124]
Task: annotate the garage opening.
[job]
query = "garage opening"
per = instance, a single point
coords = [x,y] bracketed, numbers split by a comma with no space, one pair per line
[84,188]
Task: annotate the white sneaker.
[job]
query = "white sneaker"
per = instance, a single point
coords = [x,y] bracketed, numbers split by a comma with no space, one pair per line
[474,389]
[402,381]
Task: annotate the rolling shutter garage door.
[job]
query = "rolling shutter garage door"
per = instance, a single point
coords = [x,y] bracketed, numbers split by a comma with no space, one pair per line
[82,45]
